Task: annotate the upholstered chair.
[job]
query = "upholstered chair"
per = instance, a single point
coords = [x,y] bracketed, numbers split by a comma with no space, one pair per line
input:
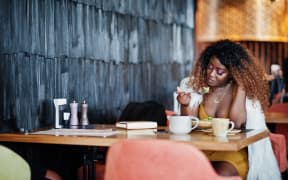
[158,159]
[13,166]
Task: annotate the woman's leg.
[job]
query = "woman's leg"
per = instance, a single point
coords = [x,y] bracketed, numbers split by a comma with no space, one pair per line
[52,175]
[38,171]
[225,168]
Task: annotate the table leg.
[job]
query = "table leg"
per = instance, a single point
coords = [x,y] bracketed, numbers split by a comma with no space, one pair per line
[85,165]
[93,160]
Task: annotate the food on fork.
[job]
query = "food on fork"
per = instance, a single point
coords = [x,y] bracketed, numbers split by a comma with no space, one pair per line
[180,90]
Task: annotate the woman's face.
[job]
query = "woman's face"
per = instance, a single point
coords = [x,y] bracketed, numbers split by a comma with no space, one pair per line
[217,73]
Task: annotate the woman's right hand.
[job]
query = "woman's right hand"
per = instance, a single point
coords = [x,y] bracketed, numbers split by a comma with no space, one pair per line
[183,98]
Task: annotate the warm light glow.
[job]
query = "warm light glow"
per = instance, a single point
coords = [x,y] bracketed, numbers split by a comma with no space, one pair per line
[242,20]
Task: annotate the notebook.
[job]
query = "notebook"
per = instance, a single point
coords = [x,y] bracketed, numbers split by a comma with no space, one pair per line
[130,133]
[136,124]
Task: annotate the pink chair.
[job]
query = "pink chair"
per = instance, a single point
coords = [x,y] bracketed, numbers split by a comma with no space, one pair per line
[169,113]
[279,147]
[281,128]
[282,107]
[158,159]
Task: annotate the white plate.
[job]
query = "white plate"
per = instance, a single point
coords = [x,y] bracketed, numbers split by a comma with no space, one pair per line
[232,132]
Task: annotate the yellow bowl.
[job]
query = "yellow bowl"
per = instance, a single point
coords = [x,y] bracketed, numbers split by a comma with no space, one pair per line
[204,124]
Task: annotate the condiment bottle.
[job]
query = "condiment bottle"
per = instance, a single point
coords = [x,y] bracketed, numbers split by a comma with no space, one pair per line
[84,118]
[74,114]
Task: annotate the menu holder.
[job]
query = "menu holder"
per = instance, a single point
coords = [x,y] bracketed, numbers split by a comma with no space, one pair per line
[136,125]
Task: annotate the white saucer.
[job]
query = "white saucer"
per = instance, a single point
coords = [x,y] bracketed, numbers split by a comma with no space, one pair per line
[232,132]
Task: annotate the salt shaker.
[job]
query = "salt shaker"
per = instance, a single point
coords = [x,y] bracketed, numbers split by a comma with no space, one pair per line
[74,114]
[84,118]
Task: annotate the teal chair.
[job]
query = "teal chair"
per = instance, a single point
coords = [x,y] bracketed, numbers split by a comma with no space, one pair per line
[13,166]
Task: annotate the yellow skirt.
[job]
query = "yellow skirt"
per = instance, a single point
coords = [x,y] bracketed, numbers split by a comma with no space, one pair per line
[238,159]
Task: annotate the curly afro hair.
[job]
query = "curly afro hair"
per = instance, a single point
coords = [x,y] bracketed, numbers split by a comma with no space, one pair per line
[241,64]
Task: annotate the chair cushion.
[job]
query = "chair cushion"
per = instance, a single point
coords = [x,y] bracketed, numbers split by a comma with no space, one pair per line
[12,166]
[158,159]
[279,147]
[282,107]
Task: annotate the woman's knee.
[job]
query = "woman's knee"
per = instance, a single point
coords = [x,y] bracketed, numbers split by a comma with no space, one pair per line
[225,168]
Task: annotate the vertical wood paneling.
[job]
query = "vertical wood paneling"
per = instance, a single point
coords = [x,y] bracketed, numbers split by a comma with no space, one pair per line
[106,31]
[269,52]
[107,52]
[257,51]
[286,50]
[31,83]
[262,55]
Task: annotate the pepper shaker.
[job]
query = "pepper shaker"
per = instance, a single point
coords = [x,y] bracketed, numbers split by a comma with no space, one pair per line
[74,114]
[84,118]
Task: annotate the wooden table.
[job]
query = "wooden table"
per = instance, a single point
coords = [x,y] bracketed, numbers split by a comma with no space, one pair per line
[201,140]
[276,117]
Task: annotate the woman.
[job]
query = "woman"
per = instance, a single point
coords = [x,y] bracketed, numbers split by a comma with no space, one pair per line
[227,82]
[40,172]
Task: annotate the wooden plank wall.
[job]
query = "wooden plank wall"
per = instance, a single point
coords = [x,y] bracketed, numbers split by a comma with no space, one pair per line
[107,52]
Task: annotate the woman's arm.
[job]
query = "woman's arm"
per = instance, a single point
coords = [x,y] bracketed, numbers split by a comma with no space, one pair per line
[238,108]
[184,101]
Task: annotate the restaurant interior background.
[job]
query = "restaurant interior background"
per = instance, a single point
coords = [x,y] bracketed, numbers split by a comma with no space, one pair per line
[112,52]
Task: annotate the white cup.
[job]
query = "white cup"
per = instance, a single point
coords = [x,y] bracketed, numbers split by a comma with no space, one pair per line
[182,124]
[220,126]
